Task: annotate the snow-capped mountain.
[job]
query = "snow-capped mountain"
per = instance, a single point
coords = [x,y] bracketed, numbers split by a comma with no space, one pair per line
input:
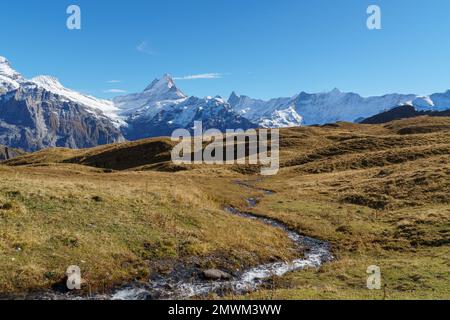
[319,108]
[162,107]
[40,113]
[339,106]
[275,113]
[159,93]
[10,80]
[106,107]
[329,107]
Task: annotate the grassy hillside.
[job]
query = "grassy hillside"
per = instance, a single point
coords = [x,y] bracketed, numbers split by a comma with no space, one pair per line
[378,193]
[380,196]
[120,156]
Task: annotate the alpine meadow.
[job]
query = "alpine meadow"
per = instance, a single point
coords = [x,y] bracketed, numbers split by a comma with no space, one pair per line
[226,157]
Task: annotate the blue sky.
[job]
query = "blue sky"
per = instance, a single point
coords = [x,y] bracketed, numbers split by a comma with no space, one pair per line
[259,48]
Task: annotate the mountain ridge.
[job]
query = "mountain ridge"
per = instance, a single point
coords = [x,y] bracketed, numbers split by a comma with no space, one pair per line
[40,112]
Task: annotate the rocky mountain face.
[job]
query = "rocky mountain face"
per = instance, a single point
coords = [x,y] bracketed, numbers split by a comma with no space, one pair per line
[34,118]
[41,113]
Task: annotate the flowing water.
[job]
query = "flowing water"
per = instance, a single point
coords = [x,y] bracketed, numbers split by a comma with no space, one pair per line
[314,254]
[317,253]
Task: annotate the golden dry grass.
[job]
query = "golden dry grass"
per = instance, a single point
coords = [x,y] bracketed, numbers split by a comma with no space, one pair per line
[115,225]
[378,193]
[380,197]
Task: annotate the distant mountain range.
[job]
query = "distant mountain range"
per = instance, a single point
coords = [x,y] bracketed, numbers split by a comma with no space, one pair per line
[40,112]
[162,107]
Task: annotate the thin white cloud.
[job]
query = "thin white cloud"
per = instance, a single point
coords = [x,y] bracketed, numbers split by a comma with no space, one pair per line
[144,47]
[201,76]
[114,81]
[114,91]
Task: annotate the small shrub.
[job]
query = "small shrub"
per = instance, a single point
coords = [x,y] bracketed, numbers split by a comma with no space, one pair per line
[71,242]
[378,202]
[50,275]
[13,194]
[97,199]
[6,206]
[345,229]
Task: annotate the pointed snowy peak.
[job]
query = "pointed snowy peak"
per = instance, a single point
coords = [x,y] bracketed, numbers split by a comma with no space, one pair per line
[164,86]
[161,92]
[233,99]
[10,79]
[164,83]
[7,71]
[233,95]
[241,101]
[335,91]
